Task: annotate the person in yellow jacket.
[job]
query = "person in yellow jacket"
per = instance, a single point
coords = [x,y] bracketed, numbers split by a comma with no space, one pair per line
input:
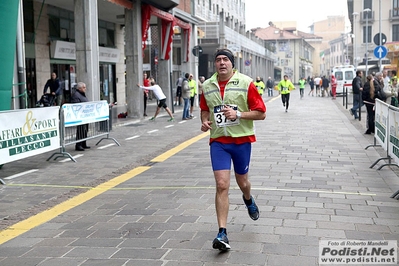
[259,85]
[192,84]
[302,83]
[285,86]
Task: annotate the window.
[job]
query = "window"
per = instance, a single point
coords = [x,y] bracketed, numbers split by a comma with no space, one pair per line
[349,75]
[106,34]
[395,8]
[395,33]
[28,20]
[369,31]
[61,24]
[367,4]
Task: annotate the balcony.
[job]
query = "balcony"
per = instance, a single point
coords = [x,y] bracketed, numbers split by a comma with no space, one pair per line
[367,16]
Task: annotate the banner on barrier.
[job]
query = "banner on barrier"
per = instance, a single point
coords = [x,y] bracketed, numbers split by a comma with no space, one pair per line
[85,113]
[28,132]
[393,144]
[381,123]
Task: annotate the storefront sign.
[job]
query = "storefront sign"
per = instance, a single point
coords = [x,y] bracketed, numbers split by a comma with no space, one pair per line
[67,50]
[28,132]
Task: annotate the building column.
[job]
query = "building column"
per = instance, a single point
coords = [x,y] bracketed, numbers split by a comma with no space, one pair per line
[9,13]
[134,60]
[86,41]
[164,68]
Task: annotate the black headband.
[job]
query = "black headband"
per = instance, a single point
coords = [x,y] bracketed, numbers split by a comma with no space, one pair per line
[226,53]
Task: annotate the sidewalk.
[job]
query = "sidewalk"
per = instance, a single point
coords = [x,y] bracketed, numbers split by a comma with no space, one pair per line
[151,200]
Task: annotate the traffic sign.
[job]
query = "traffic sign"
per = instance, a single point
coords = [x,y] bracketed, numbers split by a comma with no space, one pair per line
[377,39]
[380,51]
[197,50]
[247,62]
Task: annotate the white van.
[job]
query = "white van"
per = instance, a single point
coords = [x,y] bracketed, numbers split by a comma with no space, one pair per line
[344,75]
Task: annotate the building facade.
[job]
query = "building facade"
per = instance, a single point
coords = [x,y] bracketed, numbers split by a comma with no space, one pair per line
[368,19]
[110,44]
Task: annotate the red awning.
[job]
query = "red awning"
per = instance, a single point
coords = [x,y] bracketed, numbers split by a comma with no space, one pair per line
[125,3]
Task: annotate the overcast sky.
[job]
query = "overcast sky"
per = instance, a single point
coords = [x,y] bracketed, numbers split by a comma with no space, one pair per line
[260,12]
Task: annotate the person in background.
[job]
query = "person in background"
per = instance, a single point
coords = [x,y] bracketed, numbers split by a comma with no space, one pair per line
[81,131]
[160,97]
[55,88]
[229,114]
[317,81]
[259,85]
[186,97]
[357,88]
[193,92]
[302,83]
[200,87]
[325,85]
[311,84]
[178,91]
[394,93]
[393,74]
[285,86]
[333,87]
[371,91]
[146,83]
[270,87]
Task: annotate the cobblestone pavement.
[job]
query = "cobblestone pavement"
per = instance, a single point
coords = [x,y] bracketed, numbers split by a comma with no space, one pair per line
[150,201]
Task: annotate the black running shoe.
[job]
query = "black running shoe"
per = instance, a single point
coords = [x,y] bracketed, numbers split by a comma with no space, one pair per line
[221,242]
[253,209]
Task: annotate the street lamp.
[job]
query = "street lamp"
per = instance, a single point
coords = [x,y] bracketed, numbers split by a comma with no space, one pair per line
[354,14]
[367,10]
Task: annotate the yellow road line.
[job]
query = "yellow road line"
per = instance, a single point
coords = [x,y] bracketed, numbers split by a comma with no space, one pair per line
[45,216]
[178,148]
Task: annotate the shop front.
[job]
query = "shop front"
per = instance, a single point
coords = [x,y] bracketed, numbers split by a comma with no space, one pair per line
[63,63]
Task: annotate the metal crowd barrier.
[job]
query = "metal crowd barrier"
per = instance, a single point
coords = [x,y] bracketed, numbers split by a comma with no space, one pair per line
[94,115]
[387,135]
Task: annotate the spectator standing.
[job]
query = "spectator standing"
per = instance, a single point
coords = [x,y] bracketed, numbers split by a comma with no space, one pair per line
[228,113]
[200,88]
[259,85]
[270,87]
[394,92]
[193,92]
[178,91]
[186,97]
[357,88]
[81,131]
[371,91]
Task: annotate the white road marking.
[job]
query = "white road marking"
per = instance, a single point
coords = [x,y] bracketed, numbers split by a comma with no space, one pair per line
[134,137]
[68,159]
[21,174]
[106,146]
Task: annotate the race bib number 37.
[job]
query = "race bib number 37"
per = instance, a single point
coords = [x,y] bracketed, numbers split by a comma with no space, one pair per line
[221,120]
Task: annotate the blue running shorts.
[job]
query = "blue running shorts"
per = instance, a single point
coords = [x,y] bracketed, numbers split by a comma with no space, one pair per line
[223,154]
